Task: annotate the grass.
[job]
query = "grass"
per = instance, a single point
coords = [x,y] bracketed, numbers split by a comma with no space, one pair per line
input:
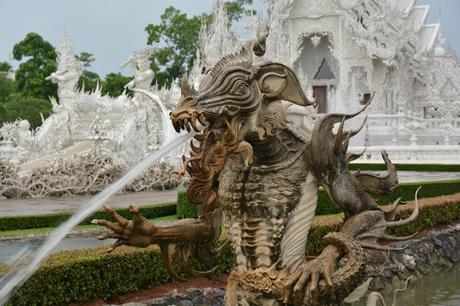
[78,228]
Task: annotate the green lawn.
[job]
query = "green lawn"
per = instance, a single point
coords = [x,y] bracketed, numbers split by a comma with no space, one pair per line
[79,228]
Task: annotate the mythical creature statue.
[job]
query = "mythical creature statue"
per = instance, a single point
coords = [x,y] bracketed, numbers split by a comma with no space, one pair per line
[67,73]
[253,173]
[143,74]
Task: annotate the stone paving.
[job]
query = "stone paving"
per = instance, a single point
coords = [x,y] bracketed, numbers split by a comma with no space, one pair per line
[415,176]
[39,206]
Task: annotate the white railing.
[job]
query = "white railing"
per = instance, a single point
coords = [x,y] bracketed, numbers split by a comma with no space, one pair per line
[410,154]
[383,120]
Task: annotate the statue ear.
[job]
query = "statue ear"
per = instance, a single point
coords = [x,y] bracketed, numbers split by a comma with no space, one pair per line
[278,82]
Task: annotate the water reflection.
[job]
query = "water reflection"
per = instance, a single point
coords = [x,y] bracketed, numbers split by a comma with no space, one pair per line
[434,289]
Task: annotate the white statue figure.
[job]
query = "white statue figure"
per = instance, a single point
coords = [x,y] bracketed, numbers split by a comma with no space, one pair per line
[143,74]
[18,137]
[132,127]
[67,73]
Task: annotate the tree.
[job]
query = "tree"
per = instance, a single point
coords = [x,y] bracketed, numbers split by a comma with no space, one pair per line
[86,58]
[40,61]
[7,87]
[5,67]
[29,108]
[178,34]
[236,9]
[89,80]
[114,84]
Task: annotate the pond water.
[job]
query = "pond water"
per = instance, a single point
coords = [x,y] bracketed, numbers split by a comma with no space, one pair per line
[434,289]
[9,248]
[441,289]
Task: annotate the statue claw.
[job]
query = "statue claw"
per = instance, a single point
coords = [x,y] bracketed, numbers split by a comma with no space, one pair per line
[117,243]
[167,250]
[183,253]
[110,236]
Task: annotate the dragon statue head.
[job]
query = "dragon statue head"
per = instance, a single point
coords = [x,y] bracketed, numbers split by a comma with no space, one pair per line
[239,102]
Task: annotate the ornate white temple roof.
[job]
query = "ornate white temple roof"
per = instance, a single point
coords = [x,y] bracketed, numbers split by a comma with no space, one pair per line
[391,27]
[427,36]
[405,6]
[418,16]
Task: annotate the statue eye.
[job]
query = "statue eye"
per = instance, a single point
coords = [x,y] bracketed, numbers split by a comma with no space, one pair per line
[240,88]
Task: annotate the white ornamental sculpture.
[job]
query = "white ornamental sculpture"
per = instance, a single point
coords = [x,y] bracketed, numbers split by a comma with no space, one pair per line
[68,71]
[132,127]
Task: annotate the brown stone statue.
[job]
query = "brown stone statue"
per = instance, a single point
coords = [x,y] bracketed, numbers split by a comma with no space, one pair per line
[250,171]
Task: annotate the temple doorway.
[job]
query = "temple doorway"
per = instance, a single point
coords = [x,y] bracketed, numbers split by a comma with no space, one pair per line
[320,95]
[319,67]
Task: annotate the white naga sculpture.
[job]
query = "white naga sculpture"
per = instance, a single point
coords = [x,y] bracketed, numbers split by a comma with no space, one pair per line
[17,140]
[127,127]
[85,127]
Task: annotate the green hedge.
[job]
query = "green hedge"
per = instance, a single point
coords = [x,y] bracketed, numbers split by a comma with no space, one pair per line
[406,167]
[81,275]
[54,220]
[325,206]
[185,209]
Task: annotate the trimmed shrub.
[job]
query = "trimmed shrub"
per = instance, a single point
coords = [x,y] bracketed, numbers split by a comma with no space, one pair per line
[3,268]
[325,206]
[81,275]
[185,208]
[54,220]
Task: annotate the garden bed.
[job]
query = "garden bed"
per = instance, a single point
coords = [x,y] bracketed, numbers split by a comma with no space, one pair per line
[78,276]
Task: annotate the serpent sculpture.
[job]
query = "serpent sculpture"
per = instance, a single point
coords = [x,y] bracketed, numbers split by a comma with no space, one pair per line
[257,176]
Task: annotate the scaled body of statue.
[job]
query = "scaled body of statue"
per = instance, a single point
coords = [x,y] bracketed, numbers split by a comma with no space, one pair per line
[248,166]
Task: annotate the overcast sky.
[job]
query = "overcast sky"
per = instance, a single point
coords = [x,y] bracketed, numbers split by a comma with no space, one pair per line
[113,29]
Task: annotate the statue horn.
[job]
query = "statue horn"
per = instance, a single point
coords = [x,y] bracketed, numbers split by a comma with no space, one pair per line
[260,45]
[186,88]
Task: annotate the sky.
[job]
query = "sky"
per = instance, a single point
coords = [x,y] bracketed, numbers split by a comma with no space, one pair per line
[112,29]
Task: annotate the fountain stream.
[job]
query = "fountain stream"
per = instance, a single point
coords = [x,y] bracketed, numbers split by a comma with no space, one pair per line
[169,131]
[29,262]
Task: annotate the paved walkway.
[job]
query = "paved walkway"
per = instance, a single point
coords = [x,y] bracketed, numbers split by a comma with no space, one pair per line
[39,206]
[415,176]
[24,207]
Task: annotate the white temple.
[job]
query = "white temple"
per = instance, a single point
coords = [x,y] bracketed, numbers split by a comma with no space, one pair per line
[345,52]
[349,50]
